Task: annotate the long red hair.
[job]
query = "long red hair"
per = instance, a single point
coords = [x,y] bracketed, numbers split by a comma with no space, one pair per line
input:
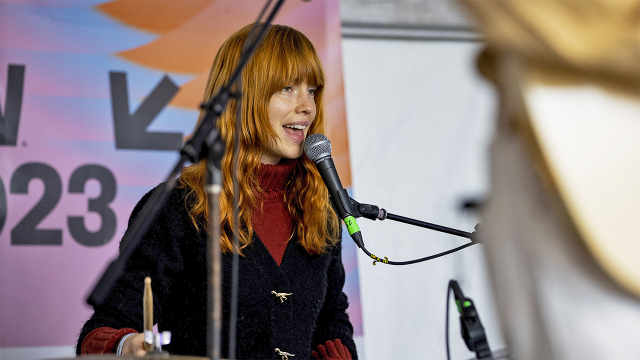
[285,57]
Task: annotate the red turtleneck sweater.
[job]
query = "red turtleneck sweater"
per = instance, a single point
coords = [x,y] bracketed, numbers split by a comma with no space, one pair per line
[271,220]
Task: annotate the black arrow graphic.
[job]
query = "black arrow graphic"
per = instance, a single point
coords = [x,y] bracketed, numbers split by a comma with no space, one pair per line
[131,130]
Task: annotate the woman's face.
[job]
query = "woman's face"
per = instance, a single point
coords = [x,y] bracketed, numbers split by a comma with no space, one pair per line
[291,112]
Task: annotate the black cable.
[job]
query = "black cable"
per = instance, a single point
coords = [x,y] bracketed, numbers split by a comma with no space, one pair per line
[446,322]
[386,260]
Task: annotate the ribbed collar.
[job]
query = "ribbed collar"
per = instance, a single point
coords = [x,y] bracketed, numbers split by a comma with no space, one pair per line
[274,177]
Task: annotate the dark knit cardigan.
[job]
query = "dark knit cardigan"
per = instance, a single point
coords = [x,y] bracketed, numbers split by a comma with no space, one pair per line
[173,254]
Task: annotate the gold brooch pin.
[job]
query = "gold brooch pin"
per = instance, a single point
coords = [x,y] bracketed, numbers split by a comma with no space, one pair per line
[281,296]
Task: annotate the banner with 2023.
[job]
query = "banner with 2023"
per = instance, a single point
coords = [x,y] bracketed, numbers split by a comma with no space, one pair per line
[95,99]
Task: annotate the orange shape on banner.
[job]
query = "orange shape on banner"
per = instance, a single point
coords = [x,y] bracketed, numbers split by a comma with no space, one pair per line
[152,15]
[191,46]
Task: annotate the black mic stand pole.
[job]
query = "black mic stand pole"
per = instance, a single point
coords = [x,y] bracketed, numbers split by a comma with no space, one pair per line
[191,151]
[213,187]
[372,212]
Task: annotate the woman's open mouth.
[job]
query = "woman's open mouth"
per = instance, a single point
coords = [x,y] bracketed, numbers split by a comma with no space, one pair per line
[295,132]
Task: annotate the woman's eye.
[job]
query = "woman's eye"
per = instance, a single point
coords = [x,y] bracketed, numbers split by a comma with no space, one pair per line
[287,89]
[312,91]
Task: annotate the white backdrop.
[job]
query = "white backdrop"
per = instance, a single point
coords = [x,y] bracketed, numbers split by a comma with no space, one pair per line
[420,121]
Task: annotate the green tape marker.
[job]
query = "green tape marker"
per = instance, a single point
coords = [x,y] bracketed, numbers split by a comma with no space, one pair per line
[352,226]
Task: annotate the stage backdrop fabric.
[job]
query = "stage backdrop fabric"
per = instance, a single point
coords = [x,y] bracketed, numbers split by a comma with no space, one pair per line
[95,99]
[420,123]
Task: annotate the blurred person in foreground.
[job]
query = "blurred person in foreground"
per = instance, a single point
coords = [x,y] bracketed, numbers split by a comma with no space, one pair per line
[561,222]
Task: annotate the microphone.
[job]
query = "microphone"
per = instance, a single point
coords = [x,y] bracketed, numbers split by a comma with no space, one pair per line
[470,326]
[318,149]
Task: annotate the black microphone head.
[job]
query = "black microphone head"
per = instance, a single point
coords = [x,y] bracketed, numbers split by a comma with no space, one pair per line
[317,147]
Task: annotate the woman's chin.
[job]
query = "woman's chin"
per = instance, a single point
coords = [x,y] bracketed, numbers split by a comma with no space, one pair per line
[291,153]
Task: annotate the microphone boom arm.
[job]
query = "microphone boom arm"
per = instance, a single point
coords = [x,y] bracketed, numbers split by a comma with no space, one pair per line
[373,212]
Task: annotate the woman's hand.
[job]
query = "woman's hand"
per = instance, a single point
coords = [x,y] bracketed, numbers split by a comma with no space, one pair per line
[134,345]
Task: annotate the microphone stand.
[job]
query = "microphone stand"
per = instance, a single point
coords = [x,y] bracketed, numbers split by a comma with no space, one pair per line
[213,187]
[213,150]
[372,212]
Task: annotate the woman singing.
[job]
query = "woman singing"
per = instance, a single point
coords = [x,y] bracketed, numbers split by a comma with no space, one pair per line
[290,297]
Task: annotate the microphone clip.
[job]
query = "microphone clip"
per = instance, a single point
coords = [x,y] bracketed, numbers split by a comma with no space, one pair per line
[370,212]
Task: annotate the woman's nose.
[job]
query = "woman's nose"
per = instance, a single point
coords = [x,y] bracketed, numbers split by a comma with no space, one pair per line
[306,104]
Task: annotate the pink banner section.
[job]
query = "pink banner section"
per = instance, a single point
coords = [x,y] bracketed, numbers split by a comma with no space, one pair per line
[73,158]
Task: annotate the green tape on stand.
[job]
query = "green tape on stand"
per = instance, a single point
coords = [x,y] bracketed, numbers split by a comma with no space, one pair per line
[352,226]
